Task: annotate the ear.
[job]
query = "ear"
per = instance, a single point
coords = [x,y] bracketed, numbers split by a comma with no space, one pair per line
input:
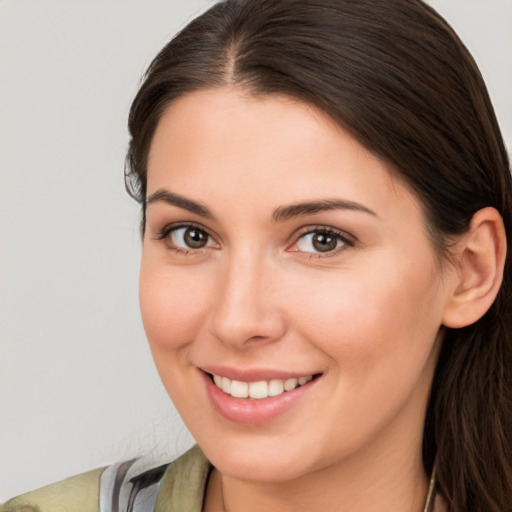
[480,258]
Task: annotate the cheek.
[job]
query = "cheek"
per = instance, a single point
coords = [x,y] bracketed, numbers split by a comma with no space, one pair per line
[378,332]
[172,305]
[389,314]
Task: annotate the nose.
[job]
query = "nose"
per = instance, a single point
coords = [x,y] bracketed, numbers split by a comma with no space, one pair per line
[246,308]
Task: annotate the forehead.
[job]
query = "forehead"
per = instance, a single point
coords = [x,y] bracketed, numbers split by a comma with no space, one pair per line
[219,144]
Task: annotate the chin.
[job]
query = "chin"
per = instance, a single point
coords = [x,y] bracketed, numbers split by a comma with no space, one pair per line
[250,460]
[267,471]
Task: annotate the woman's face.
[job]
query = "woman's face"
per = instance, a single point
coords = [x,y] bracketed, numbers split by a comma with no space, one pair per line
[277,248]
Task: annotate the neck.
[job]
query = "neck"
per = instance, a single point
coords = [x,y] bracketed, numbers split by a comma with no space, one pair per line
[396,482]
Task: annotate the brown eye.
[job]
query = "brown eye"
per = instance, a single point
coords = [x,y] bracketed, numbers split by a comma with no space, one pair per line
[195,238]
[321,241]
[189,237]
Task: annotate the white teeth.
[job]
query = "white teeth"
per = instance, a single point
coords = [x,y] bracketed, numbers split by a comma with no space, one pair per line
[258,389]
[275,387]
[239,389]
[261,389]
[290,384]
[226,385]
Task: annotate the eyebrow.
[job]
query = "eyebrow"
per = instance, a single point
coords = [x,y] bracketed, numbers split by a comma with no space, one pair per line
[280,214]
[311,207]
[181,202]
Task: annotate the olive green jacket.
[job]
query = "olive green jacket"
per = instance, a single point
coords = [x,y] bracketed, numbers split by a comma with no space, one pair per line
[178,486]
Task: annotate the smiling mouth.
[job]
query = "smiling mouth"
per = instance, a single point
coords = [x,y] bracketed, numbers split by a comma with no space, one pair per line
[260,389]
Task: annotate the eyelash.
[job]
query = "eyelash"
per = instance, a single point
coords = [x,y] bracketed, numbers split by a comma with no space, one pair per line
[165,233]
[341,236]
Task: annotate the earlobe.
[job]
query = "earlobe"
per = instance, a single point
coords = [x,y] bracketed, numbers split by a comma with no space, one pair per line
[480,259]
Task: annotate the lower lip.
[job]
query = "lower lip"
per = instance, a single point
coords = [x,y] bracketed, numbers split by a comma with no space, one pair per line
[247,411]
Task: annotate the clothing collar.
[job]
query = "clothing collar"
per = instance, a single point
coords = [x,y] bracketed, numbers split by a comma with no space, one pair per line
[184,483]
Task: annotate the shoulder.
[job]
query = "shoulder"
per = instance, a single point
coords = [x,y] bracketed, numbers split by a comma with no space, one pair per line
[184,482]
[178,485]
[76,494]
[136,484]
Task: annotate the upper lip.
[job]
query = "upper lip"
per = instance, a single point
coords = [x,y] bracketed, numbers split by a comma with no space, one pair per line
[253,374]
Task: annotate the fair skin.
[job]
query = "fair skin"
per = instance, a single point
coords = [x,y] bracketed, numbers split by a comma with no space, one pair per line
[238,282]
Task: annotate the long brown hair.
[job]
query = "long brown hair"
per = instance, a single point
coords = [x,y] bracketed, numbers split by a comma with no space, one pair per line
[396,76]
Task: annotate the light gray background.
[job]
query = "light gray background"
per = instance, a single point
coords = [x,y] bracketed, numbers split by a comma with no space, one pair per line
[77,385]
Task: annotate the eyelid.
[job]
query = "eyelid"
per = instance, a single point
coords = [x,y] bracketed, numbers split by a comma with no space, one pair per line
[348,239]
[163,235]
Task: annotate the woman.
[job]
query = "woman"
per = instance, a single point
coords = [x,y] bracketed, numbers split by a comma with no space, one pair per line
[324,280]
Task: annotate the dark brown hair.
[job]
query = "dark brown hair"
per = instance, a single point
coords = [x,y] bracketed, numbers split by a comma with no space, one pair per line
[396,76]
